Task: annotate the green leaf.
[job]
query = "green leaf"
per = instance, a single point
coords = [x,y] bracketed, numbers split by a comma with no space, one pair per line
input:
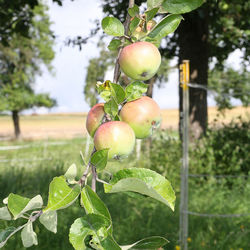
[111,107]
[114,44]
[166,26]
[117,92]
[49,220]
[180,6]
[29,237]
[5,214]
[112,26]
[110,244]
[100,159]
[151,13]
[60,194]
[134,10]
[18,205]
[135,90]
[4,234]
[143,181]
[154,4]
[154,242]
[156,42]
[71,174]
[133,24]
[92,203]
[89,231]
[105,95]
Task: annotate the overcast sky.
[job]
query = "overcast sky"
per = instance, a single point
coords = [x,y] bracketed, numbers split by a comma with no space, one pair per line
[66,86]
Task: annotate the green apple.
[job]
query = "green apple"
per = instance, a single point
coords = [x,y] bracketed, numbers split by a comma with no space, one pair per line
[94,118]
[117,136]
[140,60]
[143,115]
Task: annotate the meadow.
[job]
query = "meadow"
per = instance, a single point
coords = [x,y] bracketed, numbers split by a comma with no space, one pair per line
[28,166]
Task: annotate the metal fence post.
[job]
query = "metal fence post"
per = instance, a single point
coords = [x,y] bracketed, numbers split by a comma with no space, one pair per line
[184,80]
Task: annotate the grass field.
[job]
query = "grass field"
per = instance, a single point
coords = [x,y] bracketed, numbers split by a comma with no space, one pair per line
[73,125]
[28,166]
[28,171]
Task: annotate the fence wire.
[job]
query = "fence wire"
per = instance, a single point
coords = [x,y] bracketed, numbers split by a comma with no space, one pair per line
[216,215]
[214,92]
[211,215]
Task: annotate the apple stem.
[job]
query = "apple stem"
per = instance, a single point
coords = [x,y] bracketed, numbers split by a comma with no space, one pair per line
[117,71]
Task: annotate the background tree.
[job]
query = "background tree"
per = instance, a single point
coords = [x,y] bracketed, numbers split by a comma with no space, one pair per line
[230,83]
[16,17]
[21,62]
[212,31]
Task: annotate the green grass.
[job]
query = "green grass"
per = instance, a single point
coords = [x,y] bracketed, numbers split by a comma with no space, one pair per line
[28,171]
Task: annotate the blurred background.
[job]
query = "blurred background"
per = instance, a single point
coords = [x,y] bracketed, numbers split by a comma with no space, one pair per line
[52,53]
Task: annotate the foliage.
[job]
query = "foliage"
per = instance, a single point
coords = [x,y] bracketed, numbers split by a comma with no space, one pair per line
[224,151]
[230,83]
[21,61]
[16,18]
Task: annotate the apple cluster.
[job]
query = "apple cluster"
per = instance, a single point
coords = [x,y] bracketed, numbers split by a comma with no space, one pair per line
[136,118]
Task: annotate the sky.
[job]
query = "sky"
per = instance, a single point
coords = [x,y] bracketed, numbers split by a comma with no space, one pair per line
[70,64]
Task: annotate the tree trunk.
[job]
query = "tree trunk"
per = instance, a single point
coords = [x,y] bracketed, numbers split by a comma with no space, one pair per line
[15,118]
[192,41]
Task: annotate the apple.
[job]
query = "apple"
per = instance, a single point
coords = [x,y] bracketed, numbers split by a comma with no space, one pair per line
[143,115]
[139,33]
[94,118]
[118,136]
[140,60]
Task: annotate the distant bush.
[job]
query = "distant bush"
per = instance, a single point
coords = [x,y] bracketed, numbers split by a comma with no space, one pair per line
[223,151]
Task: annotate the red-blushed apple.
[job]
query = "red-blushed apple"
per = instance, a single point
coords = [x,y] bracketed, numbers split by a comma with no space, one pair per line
[94,118]
[143,115]
[140,60]
[118,136]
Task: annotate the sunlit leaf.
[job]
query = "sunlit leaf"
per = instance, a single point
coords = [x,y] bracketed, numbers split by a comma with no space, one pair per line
[180,6]
[100,158]
[133,24]
[151,13]
[135,90]
[92,203]
[143,181]
[154,242]
[89,231]
[112,26]
[111,107]
[49,220]
[166,26]
[117,92]
[71,173]
[29,237]
[18,205]
[60,194]
[5,214]
[114,44]
[134,10]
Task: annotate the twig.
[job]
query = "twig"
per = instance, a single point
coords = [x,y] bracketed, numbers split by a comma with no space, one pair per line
[85,174]
[94,178]
[117,71]
[102,181]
